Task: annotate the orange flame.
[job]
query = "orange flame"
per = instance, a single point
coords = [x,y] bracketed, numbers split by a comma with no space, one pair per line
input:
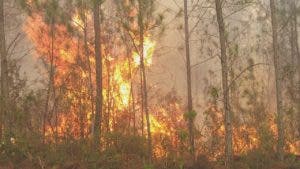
[149,47]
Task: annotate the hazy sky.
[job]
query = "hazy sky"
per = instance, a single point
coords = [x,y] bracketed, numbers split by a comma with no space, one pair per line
[168,69]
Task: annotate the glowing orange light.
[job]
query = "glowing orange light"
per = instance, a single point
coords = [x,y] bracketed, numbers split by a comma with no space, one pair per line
[77,21]
[149,47]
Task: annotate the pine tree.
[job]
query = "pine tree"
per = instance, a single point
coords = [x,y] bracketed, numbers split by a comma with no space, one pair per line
[277,68]
[190,116]
[98,58]
[141,7]
[224,64]
[4,95]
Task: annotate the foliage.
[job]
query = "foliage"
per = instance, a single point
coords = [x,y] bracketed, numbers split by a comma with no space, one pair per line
[190,115]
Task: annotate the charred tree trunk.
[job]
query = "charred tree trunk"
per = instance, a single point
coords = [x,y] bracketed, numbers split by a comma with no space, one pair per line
[189,81]
[144,80]
[224,64]
[280,127]
[98,56]
[4,71]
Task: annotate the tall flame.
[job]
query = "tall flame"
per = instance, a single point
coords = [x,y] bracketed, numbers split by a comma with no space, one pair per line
[149,47]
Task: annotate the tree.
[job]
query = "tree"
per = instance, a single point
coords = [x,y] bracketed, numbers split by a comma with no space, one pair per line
[4,71]
[277,68]
[98,56]
[51,10]
[189,81]
[141,7]
[296,53]
[228,116]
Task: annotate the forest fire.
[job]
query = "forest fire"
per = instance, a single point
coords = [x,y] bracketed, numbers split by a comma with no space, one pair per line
[118,88]
[125,84]
[67,52]
[245,138]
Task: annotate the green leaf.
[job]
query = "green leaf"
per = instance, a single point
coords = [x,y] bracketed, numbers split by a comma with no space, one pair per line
[190,115]
[182,135]
[214,92]
[148,166]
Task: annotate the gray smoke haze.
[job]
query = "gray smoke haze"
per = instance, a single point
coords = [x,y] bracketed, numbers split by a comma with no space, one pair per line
[168,70]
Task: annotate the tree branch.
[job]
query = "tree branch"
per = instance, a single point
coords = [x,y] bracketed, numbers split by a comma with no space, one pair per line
[243,71]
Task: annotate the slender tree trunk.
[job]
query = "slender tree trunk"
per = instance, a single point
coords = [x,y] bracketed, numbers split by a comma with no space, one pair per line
[56,117]
[98,55]
[131,99]
[108,96]
[189,80]
[87,54]
[144,84]
[280,127]
[292,89]
[224,60]
[81,113]
[133,107]
[142,103]
[297,56]
[81,119]
[4,71]
[51,80]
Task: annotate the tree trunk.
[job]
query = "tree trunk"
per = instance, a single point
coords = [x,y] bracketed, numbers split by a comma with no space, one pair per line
[131,101]
[51,80]
[131,104]
[4,71]
[297,56]
[144,80]
[108,96]
[142,102]
[189,81]
[280,127]
[228,116]
[87,54]
[81,112]
[98,56]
